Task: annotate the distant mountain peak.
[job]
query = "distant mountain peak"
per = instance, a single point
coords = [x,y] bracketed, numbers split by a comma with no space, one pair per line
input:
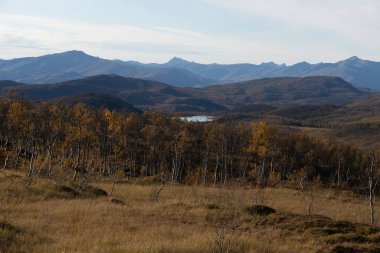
[74,52]
[176,60]
[302,64]
[76,64]
[269,64]
[353,59]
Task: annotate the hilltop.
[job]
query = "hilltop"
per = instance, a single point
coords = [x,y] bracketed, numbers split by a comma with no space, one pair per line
[178,72]
[152,95]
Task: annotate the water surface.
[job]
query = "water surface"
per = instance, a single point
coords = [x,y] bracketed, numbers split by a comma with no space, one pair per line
[198,118]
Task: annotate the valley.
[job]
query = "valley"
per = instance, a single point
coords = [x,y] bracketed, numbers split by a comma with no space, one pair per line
[202,126]
[325,107]
[276,164]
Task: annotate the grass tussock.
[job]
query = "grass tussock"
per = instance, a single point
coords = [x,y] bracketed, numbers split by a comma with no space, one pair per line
[360,237]
[61,217]
[117,202]
[8,235]
[16,240]
[14,186]
[212,206]
[50,190]
[260,210]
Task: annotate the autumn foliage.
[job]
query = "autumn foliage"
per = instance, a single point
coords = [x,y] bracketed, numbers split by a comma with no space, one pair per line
[50,139]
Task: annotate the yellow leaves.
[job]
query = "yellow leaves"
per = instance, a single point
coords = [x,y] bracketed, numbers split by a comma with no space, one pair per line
[262,151]
[15,113]
[21,118]
[131,121]
[262,138]
[107,114]
[85,124]
[79,110]
[114,121]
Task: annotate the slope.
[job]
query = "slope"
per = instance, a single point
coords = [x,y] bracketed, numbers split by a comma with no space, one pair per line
[282,91]
[98,101]
[76,64]
[144,94]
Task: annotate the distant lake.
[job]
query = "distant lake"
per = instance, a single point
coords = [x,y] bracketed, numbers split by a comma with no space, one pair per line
[203,118]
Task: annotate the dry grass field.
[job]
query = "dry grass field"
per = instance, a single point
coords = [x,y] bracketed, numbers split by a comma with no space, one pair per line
[51,217]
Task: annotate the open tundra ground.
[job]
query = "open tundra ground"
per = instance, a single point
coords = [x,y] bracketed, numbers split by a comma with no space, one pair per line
[58,217]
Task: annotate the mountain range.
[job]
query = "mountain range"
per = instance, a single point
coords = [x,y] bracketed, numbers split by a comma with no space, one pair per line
[152,95]
[72,65]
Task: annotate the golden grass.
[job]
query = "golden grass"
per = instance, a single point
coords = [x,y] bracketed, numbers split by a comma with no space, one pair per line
[185,219]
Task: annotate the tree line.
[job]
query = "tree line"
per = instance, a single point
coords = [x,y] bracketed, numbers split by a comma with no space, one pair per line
[50,139]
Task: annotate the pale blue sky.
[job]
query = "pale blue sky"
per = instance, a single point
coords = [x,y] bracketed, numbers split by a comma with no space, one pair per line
[224,31]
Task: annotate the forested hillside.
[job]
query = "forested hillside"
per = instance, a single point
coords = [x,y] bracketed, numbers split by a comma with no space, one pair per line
[50,138]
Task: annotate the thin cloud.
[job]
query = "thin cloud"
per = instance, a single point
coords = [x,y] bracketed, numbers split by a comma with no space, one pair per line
[293,31]
[13,41]
[109,40]
[355,20]
[122,41]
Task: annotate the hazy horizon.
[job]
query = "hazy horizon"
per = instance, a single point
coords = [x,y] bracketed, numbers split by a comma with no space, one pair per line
[204,31]
[181,58]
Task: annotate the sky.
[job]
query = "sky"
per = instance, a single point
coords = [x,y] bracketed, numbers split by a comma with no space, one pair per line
[205,31]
